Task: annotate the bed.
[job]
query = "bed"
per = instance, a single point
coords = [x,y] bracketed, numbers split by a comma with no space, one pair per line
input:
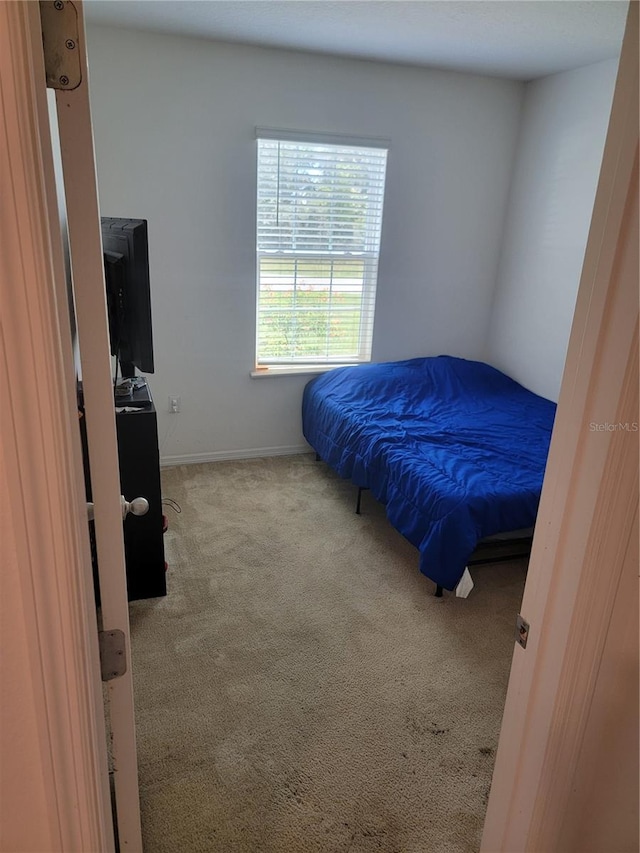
[454,449]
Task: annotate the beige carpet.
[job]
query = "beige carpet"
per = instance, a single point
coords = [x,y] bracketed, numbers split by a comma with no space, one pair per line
[301,689]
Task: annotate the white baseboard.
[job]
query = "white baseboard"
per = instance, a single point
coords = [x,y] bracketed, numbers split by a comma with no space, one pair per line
[227,455]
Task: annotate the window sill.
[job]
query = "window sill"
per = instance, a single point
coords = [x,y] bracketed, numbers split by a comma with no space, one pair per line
[289,370]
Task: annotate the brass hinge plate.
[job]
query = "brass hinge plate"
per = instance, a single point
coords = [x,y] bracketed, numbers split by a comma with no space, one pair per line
[113,654]
[522,631]
[59,22]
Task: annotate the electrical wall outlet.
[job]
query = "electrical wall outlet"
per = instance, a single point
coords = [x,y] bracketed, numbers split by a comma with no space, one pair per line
[174,405]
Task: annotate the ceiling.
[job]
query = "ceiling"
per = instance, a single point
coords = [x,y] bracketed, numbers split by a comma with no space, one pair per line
[520,39]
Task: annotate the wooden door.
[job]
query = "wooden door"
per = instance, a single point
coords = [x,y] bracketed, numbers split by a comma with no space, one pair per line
[87,273]
[43,451]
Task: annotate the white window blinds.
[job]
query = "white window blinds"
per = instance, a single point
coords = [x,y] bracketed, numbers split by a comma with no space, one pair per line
[318,240]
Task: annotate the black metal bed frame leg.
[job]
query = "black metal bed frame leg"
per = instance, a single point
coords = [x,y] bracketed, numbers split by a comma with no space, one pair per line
[318,457]
[360,491]
[438,592]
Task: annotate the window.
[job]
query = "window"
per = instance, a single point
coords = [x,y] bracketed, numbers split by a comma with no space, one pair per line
[318,241]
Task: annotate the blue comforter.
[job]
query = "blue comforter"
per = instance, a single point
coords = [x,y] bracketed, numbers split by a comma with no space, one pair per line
[455,449]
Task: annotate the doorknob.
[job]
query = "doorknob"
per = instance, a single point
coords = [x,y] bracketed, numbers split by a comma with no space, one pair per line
[138,506]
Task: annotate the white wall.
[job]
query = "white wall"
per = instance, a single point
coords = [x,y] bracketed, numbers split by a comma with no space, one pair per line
[562,135]
[62,213]
[174,123]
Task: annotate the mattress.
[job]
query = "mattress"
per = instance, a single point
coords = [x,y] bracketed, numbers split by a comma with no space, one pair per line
[454,449]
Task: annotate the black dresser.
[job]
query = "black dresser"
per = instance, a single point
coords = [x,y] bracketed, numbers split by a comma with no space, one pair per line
[139,459]
[139,462]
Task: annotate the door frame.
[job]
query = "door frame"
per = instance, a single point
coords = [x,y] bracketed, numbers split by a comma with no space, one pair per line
[584,539]
[43,499]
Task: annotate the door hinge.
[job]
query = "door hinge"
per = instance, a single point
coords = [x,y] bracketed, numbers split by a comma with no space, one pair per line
[113,654]
[522,631]
[59,23]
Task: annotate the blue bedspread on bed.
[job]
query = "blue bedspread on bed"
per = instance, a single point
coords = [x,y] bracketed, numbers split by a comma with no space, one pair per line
[455,449]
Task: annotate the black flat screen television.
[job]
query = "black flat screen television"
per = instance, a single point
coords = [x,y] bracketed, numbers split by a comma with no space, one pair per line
[126,268]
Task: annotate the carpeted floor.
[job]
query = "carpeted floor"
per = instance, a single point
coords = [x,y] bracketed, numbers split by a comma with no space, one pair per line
[300,688]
